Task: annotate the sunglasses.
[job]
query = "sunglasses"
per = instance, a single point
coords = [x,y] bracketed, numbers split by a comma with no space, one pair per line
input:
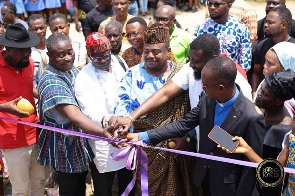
[215,4]
[100,58]
[158,19]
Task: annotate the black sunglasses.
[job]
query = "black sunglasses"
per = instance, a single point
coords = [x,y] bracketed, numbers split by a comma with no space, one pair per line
[215,4]
[158,19]
[100,58]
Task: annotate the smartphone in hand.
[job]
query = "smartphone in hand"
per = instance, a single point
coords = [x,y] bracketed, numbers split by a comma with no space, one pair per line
[223,138]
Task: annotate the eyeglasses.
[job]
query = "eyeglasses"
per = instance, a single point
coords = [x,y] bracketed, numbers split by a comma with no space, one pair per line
[133,35]
[100,58]
[215,4]
[158,19]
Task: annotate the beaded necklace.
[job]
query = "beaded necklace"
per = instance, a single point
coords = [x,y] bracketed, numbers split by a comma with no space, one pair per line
[105,88]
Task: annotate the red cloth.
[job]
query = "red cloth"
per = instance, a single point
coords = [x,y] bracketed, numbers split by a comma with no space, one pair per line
[97,43]
[239,68]
[12,86]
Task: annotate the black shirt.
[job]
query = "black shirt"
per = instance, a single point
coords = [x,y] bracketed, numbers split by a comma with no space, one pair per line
[86,5]
[95,17]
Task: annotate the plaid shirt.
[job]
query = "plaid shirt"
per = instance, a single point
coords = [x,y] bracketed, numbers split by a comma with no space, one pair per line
[65,153]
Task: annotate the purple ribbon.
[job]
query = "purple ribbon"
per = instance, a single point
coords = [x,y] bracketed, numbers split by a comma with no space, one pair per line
[65,131]
[137,155]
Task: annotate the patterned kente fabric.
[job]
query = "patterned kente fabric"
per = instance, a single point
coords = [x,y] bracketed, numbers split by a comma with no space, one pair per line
[64,152]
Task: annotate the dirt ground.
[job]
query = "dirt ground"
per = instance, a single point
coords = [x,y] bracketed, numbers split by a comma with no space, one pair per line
[187,20]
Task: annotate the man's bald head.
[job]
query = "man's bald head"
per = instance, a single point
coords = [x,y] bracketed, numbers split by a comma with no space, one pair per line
[165,15]
[166,9]
[270,4]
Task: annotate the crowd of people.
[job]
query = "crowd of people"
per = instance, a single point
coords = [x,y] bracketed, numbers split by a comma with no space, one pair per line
[153,81]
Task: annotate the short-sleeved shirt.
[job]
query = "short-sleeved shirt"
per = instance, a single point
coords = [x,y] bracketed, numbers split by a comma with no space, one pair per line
[95,17]
[185,79]
[14,84]
[234,39]
[260,31]
[32,6]
[261,47]
[85,6]
[66,153]
[179,44]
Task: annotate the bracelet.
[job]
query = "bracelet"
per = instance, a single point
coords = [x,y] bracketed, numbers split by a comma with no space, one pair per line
[132,119]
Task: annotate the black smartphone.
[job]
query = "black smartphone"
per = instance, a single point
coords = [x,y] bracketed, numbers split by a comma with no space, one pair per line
[223,138]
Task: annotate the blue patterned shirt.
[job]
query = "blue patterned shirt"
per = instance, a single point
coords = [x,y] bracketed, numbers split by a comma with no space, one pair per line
[135,87]
[234,39]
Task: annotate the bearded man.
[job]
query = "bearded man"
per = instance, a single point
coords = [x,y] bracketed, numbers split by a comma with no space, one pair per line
[19,141]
